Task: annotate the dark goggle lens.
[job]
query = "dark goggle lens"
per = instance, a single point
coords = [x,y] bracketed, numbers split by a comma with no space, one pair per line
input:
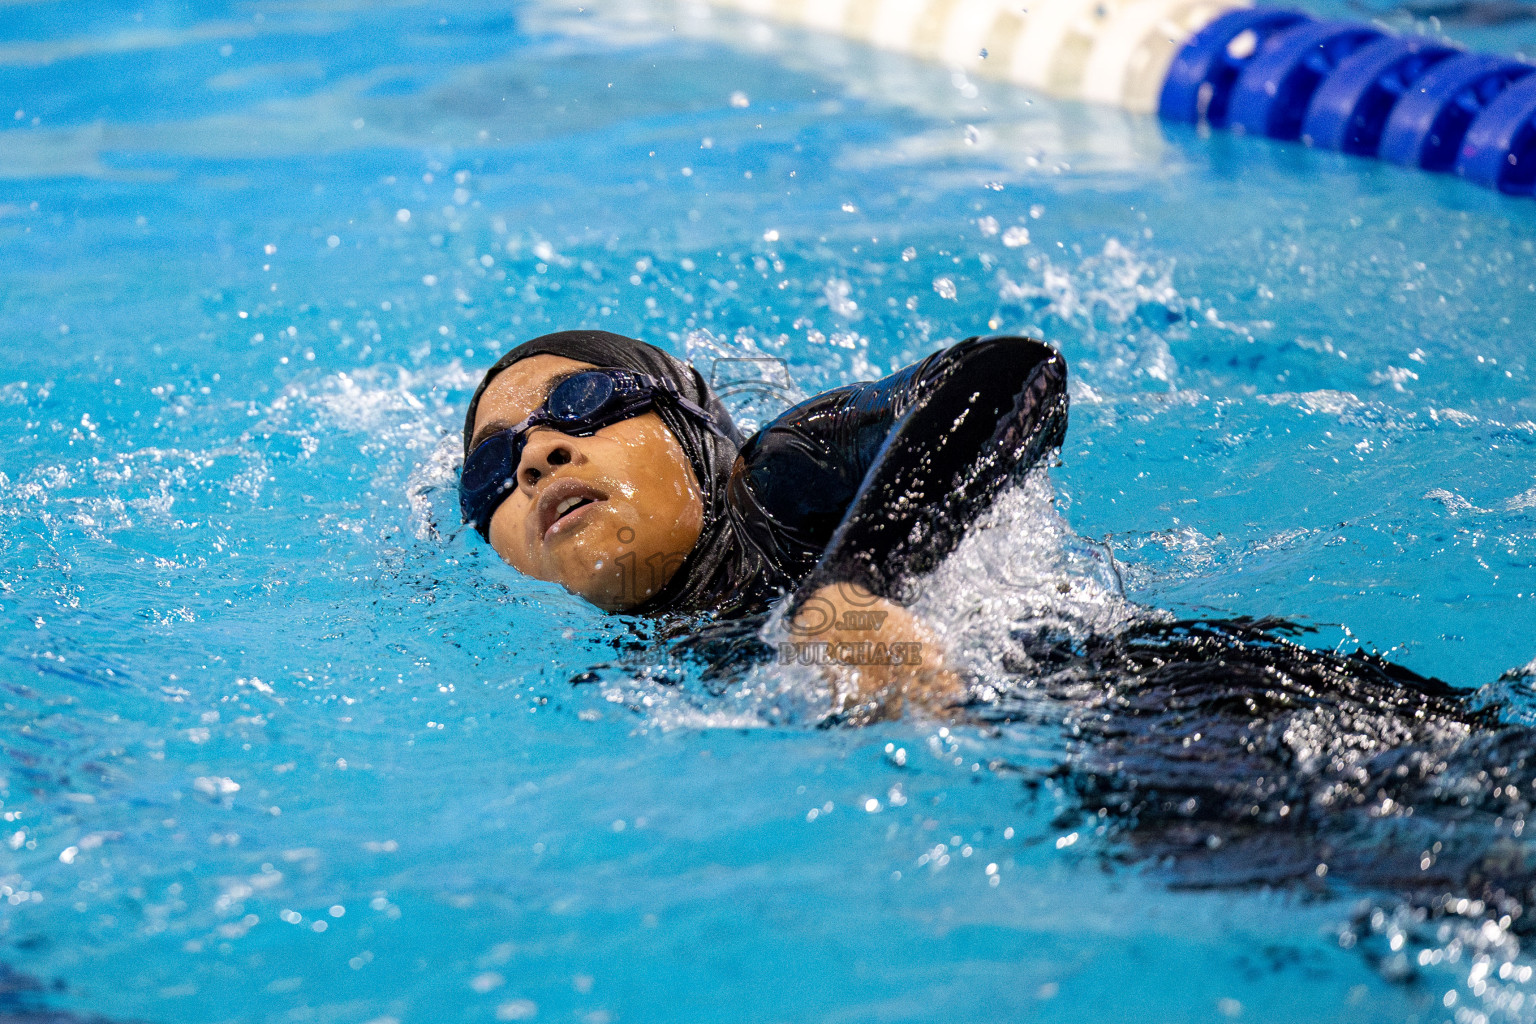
[579,397]
[491,463]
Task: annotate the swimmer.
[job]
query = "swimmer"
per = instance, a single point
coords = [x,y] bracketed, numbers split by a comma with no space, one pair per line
[1227,753]
[605,465]
[1223,751]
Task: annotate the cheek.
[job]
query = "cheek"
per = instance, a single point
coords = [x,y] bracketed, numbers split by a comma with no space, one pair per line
[648,466]
[509,536]
[676,496]
[658,495]
[674,487]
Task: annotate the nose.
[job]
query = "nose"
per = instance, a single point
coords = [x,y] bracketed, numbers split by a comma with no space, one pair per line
[542,452]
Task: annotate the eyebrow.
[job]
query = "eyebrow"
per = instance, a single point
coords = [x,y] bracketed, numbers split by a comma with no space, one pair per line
[493,427]
[497,426]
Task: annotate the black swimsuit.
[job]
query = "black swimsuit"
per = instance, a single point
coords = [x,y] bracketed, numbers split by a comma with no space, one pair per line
[873,483]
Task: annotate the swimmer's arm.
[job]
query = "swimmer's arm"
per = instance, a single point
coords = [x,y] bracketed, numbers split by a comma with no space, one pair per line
[879,658]
[795,479]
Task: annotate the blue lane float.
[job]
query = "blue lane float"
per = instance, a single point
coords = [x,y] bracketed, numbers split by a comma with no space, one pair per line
[1273,93]
[1351,107]
[1500,147]
[1203,74]
[1429,122]
[1353,88]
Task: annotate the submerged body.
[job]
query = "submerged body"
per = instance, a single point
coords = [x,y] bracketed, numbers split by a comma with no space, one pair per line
[1222,748]
[1233,755]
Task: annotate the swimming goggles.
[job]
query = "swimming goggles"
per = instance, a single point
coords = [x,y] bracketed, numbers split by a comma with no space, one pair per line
[578,406]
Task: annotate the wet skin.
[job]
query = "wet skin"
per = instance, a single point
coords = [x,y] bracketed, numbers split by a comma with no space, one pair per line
[609,517]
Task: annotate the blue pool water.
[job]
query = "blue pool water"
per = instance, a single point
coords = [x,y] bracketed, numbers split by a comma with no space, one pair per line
[282,743]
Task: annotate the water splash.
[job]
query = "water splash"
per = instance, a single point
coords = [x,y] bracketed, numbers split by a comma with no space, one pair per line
[1121,308]
[1022,568]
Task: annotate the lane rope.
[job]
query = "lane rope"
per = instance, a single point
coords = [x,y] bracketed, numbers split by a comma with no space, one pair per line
[1346,86]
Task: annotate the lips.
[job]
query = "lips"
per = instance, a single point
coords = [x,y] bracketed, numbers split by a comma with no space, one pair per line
[561,504]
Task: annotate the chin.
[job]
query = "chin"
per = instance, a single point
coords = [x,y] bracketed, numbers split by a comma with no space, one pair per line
[592,575]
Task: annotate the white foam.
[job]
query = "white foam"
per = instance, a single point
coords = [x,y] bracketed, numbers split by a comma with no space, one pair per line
[431,489]
[1021,568]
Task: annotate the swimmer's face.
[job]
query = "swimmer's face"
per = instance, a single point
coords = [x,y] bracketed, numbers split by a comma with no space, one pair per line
[609,517]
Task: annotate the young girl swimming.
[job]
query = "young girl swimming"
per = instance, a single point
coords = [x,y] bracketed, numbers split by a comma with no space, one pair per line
[603,464]
[1229,753]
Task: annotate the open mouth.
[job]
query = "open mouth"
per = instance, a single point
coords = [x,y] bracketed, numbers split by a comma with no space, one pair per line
[563,506]
[570,505]
[568,513]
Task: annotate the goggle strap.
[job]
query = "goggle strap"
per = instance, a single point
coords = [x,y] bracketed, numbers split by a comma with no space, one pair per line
[699,414]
